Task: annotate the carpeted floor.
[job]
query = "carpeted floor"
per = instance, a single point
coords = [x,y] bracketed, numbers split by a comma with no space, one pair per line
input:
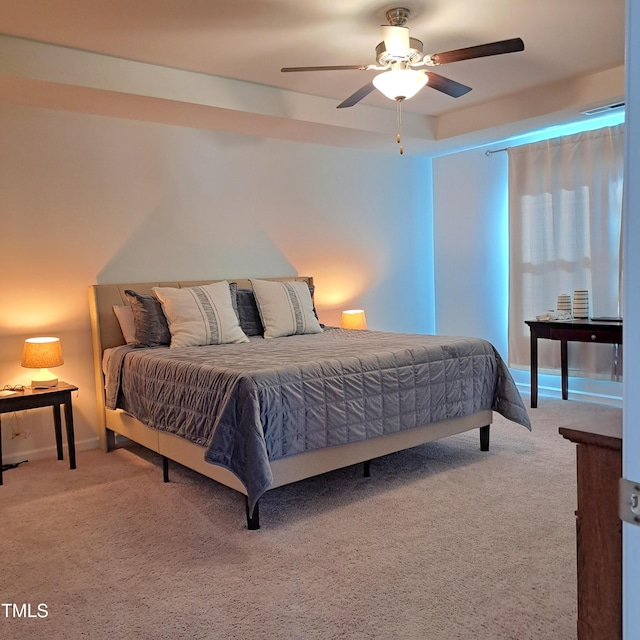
[443,542]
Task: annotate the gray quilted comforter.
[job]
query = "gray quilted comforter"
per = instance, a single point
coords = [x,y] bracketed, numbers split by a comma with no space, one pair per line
[252,403]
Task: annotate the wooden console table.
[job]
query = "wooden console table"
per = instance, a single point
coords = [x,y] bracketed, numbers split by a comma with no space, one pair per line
[598,531]
[608,332]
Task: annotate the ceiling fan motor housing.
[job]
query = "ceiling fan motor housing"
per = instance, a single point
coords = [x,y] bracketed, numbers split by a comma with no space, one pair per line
[413,55]
[398,17]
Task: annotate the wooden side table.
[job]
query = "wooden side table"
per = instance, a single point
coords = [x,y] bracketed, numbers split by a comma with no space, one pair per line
[51,397]
[599,331]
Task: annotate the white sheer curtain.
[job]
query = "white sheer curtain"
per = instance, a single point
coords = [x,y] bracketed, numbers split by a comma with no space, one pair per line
[565,210]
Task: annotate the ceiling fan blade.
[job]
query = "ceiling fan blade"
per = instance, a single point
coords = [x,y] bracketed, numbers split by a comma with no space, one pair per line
[446,85]
[358,67]
[363,92]
[479,51]
[396,40]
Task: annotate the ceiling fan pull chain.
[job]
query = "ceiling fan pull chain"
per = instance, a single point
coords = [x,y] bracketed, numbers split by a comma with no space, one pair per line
[399,118]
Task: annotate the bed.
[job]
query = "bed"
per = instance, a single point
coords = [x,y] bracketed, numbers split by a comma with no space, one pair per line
[255,413]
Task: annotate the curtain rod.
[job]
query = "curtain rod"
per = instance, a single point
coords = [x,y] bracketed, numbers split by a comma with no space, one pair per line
[489,152]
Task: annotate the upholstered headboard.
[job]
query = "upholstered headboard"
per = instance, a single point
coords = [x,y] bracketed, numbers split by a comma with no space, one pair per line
[105,329]
[102,298]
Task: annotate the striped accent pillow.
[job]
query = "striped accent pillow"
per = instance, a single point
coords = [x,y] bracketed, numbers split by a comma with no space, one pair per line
[286,308]
[200,315]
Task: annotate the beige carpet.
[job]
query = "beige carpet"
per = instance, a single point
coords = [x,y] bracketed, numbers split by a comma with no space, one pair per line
[443,542]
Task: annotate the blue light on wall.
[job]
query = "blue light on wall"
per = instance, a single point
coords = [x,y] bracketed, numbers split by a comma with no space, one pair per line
[557,131]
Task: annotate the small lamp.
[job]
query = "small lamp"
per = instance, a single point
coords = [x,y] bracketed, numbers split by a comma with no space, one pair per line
[42,353]
[353,319]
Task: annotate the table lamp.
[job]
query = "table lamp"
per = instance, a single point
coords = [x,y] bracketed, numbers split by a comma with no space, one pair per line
[42,353]
[353,319]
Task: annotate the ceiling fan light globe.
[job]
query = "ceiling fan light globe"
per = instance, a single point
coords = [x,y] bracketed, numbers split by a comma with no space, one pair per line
[400,84]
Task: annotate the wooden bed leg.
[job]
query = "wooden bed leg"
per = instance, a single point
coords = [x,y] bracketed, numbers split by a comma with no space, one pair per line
[165,469]
[110,439]
[484,438]
[253,521]
[367,468]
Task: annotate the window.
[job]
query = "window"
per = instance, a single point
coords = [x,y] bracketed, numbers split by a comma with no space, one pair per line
[565,210]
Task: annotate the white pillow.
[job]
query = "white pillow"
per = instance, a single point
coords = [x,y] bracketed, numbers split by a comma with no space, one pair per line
[286,308]
[124,313]
[200,315]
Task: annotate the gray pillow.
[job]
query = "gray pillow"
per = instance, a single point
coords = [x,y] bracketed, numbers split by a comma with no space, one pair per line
[248,313]
[152,329]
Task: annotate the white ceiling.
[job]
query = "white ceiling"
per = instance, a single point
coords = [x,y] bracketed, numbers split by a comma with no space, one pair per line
[573,58]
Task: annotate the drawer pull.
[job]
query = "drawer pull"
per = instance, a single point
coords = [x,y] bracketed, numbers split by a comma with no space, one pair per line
[593,336]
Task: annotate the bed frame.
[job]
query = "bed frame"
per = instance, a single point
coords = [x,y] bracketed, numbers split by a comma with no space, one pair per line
[106,333]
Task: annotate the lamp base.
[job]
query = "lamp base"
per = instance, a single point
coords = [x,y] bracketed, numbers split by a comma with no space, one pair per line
[44,379]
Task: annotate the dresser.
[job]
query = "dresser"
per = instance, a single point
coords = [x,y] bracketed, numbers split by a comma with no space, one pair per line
[598,531]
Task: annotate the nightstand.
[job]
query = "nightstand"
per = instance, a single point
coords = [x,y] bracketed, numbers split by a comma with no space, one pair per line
[51,397]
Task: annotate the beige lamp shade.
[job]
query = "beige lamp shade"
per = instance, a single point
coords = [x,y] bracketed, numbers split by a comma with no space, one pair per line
[42,353]
[353,319]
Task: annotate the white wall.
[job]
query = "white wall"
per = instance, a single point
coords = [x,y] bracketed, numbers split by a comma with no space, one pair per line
[88,199]
[470,253]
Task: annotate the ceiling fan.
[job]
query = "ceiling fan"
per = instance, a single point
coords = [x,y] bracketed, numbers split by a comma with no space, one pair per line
[405,69]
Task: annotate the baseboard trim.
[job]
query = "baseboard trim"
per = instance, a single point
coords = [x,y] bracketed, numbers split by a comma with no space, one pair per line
[48,452]
[580,396]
